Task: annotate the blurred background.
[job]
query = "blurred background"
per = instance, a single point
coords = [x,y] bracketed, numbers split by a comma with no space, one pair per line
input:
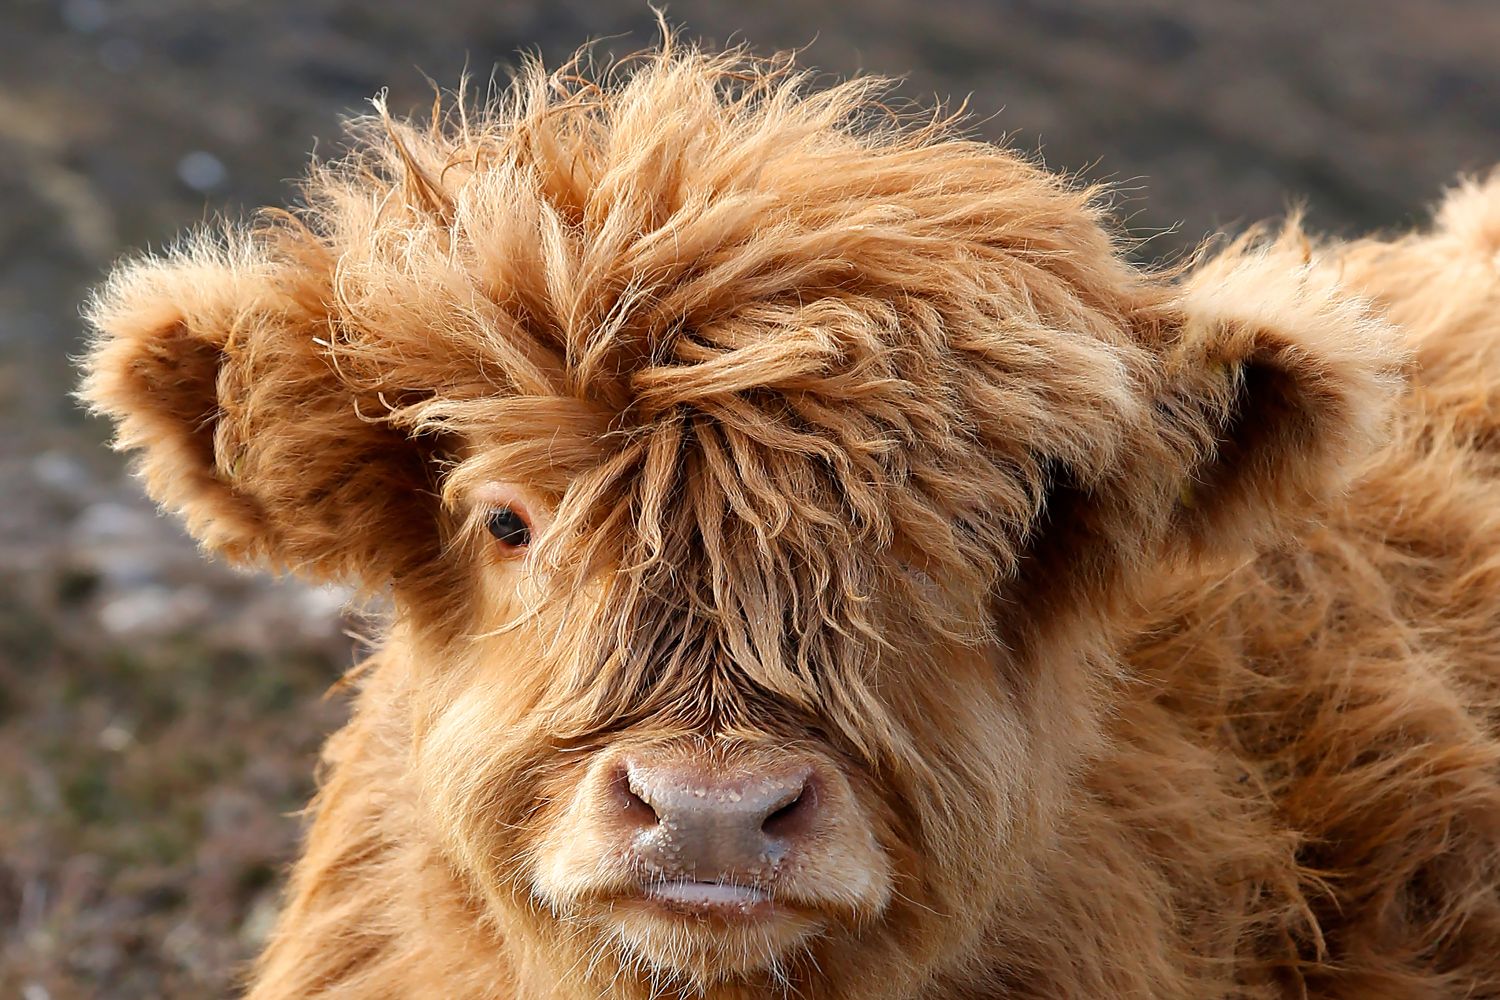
[160,716]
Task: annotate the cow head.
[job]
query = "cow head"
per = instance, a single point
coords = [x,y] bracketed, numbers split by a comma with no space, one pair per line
[756,478]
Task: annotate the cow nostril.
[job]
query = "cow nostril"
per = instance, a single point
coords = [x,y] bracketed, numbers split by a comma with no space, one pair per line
[635,808]
[789,819]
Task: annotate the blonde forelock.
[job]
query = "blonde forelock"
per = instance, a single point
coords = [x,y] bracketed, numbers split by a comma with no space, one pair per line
[772,350]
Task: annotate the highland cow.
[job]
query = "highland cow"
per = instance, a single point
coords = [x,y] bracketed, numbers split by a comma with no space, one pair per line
[822,565]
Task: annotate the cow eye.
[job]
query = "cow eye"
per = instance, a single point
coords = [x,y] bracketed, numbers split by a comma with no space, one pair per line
[509,526]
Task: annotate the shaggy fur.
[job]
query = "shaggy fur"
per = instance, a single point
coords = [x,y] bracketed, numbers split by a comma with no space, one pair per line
[1151,621]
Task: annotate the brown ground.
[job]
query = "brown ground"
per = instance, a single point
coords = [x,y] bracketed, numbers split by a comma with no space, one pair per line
[159,717]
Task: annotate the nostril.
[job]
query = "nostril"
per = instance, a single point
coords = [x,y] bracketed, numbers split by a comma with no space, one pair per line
[636,809]
[792,818]
[781,816]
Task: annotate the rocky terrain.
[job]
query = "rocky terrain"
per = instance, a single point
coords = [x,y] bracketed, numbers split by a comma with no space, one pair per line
[159,715]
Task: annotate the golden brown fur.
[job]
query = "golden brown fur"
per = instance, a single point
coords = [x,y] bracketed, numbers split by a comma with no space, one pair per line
[1152,621]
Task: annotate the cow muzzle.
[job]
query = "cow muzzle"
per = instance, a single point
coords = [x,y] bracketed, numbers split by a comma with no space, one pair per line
[711,860]
[707,836]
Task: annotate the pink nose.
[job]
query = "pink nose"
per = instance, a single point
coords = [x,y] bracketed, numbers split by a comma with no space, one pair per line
[696,821]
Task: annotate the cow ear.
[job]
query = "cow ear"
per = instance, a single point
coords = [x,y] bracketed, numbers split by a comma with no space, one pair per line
[1277,384]
[211,361]
[162,335]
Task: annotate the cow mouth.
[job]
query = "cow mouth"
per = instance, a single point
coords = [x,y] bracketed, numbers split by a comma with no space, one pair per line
[727,900]
[708,930]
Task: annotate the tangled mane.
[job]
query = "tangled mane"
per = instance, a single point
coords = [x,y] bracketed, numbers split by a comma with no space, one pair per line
[759,332]
[774,354]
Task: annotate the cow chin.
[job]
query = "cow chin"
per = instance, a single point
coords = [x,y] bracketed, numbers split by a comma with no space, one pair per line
[688,936]
[696,953]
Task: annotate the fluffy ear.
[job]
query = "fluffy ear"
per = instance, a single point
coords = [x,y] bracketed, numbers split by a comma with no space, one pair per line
[211,361]
[1278,383]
